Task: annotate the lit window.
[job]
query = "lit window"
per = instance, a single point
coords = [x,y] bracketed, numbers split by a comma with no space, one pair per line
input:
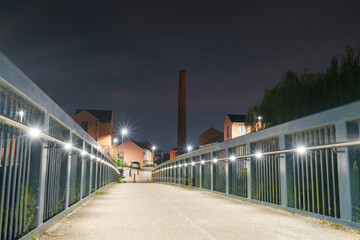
[242,129]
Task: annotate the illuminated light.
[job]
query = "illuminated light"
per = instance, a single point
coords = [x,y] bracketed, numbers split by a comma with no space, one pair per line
[185,164]
[67,146]
[83,153]
[259,117]
[193,163]
[215,160]
[34,132]
[232,158]
[98,159]
[153,148]
[301,149]
[189,148]
[124,131]
[115,140]
[258,155]
[92,157]
[202,161]
[21,113]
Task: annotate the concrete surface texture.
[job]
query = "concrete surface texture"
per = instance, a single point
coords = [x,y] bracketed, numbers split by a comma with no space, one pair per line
[159,211]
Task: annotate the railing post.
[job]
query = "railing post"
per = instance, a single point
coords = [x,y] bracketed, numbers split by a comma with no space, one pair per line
[227,175]
[43,170]
[179,173]
[345,200]
[212,172]
[248,168]
[91,170]
[68,173]
[82,172]
[191,171]
[96,172]
[283,174]
[200,172]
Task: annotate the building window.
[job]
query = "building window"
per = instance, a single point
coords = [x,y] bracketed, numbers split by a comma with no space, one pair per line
[242,129]
[84,125]
[227,132]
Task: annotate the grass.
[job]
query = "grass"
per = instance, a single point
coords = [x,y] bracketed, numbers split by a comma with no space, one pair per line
[97,193]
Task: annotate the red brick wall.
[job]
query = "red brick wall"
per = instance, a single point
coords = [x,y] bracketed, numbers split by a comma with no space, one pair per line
[132,152]
[93,123]
[208,135]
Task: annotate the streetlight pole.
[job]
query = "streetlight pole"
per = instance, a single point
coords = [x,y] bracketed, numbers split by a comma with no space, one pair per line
[115,141]
[123,132]
[153,149]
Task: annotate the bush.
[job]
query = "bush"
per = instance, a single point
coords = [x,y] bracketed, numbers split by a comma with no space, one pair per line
[120,179]
[119,162]
[149,165]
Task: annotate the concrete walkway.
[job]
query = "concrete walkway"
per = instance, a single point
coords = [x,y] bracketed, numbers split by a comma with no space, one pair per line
[158,211]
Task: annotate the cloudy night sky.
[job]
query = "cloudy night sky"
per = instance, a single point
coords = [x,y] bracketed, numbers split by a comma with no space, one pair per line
[125,55]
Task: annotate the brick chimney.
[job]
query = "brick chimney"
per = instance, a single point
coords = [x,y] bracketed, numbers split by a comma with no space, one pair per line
[181,136]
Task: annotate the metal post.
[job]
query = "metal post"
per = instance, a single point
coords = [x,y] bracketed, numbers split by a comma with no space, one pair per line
[91,170]
[212,172]
[96,172]
[43,169]
[200,172]
[283,175]
[82,173]
[227,175]
[248,166]
[68,173]
[191,171]
[344,173]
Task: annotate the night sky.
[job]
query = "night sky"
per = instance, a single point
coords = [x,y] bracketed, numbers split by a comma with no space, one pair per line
[125,55]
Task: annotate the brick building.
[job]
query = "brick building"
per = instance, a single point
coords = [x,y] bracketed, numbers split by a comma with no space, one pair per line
[136,151]
[210,137]
[99,125]
[234,126]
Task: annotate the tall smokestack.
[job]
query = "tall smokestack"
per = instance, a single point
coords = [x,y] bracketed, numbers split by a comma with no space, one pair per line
[181,140]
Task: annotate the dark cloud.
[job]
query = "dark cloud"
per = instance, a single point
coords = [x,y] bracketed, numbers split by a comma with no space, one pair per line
[125,55]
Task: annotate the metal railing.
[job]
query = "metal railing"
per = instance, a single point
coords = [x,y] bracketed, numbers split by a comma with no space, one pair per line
[309,165]
[48,163]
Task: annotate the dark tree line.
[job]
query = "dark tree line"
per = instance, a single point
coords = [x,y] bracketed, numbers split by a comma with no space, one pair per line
[302,93]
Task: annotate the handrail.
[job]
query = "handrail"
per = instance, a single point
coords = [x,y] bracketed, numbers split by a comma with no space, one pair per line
[261,154]
[23,127]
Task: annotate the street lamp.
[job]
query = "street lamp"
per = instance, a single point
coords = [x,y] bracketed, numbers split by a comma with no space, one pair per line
[115,141]
[124,132]
[153,149]
[189,148]
[259,122]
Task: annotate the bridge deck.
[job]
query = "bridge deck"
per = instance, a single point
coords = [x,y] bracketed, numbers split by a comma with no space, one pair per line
[157,211]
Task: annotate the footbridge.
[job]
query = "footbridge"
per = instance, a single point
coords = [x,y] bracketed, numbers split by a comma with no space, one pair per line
[292,181]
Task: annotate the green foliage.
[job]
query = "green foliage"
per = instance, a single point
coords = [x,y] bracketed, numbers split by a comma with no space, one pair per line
[149,165]
[119,162]
[31,209]
[97,193]
[120,179]
[302,93]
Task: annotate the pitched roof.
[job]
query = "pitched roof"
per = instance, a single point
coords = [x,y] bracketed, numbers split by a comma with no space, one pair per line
[217,139]
[237,117]
[211,129]
[141,145]
[104,116]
